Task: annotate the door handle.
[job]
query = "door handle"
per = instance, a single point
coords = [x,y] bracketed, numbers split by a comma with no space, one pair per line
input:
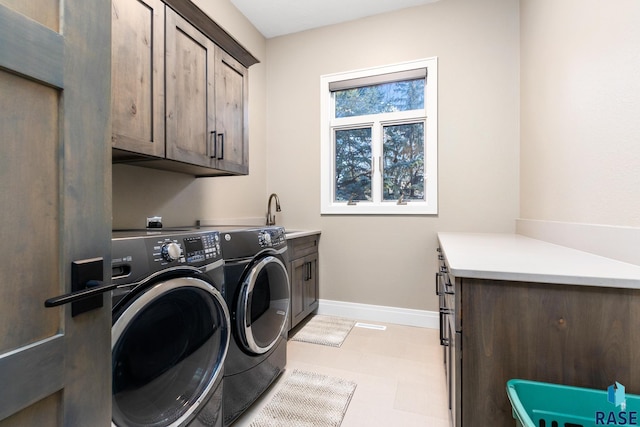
[247,315]
[87,287]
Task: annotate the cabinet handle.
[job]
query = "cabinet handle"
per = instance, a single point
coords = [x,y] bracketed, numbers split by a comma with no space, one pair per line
[443,324]
[213,148]
[307,271]
[221,137]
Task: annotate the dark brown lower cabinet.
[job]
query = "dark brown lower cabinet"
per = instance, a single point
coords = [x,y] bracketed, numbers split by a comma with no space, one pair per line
[303,275]
[584,336]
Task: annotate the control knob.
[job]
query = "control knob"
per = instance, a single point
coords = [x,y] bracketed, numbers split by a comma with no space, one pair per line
[265,239]
[171,251]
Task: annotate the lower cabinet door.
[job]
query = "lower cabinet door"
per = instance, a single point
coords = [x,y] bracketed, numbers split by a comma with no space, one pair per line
[298,269]
[304,287]
[311,284]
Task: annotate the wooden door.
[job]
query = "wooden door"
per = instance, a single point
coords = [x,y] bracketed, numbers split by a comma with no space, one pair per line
[55,207]
[190,115]
[231,80]
[138,76]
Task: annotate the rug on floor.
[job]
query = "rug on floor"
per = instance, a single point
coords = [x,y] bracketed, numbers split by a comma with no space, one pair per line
[307,399]
[325,330]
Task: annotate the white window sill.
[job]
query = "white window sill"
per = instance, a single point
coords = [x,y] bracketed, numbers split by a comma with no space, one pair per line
[391,208]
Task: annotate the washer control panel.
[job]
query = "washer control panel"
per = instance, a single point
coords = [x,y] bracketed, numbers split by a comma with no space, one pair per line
[247,242]
[203,247]
[137,254]
[192,249]
[272,237]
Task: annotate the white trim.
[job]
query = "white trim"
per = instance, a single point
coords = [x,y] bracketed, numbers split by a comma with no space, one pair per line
[327,157]
[379,313]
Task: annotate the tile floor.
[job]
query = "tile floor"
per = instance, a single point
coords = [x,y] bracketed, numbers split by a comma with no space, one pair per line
[399,372]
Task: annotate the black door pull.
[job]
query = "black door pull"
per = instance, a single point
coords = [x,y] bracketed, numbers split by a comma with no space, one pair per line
[87,287]
[94,287]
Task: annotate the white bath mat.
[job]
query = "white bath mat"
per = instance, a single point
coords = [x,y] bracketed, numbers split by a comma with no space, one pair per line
[325,330]
[307,399]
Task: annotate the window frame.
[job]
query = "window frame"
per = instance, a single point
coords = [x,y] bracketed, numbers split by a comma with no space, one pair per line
[377,121]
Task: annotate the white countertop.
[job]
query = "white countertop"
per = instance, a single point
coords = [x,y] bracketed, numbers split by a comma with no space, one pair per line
[515,257]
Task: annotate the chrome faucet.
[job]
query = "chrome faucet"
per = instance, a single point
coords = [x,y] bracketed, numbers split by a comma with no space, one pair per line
[271,219]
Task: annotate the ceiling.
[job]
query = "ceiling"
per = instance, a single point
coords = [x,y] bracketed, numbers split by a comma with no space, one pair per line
[278,17]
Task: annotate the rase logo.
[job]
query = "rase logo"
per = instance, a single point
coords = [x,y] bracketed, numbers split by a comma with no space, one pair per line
[616,396]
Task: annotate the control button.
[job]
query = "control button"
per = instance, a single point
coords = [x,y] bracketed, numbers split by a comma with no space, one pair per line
[171,251]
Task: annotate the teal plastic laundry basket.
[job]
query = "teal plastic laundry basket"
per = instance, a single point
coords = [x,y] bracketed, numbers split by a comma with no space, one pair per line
[537,404]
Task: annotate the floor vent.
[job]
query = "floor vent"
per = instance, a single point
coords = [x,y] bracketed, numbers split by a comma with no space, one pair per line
[370,326]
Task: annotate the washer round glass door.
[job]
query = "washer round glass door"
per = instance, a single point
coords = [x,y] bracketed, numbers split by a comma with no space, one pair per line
[168,348]
[263,306]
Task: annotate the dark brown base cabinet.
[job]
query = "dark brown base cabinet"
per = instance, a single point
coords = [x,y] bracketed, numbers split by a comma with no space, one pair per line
[303,275]
[585,336]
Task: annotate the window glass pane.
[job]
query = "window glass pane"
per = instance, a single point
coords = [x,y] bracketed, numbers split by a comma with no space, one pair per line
[403,157]
[381,98]
[353,164]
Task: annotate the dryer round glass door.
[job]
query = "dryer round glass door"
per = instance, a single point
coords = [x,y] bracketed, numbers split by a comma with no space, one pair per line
[263,306]
[168,348]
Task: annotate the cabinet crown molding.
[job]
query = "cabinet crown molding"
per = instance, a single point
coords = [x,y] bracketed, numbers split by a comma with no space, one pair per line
[204,23]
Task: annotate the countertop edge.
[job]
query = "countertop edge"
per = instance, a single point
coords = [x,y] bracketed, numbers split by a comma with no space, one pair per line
[610,282]
[301,233]
[513,257]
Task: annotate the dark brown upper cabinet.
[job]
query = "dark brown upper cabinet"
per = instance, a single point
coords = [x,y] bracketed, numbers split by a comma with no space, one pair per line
[179,98]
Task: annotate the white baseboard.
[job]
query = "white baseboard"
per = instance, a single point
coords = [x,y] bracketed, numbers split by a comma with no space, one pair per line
[379,313]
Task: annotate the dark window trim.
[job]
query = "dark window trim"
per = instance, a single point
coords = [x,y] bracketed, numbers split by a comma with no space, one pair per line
[418,73]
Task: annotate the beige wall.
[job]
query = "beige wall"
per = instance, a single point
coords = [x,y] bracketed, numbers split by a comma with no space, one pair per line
[380,260]
[580,112]
[390,260]
[180,199]
[538,106]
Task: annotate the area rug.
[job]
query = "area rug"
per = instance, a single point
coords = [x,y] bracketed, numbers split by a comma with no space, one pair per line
[325,330]
[307,399]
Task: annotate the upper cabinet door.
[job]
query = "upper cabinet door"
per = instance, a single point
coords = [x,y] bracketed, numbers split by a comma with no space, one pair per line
[55,208]
[138,76]
[180,101]
[232,136]
[191,109]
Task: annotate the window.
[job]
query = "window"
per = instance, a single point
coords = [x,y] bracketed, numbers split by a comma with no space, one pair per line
[379,140]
